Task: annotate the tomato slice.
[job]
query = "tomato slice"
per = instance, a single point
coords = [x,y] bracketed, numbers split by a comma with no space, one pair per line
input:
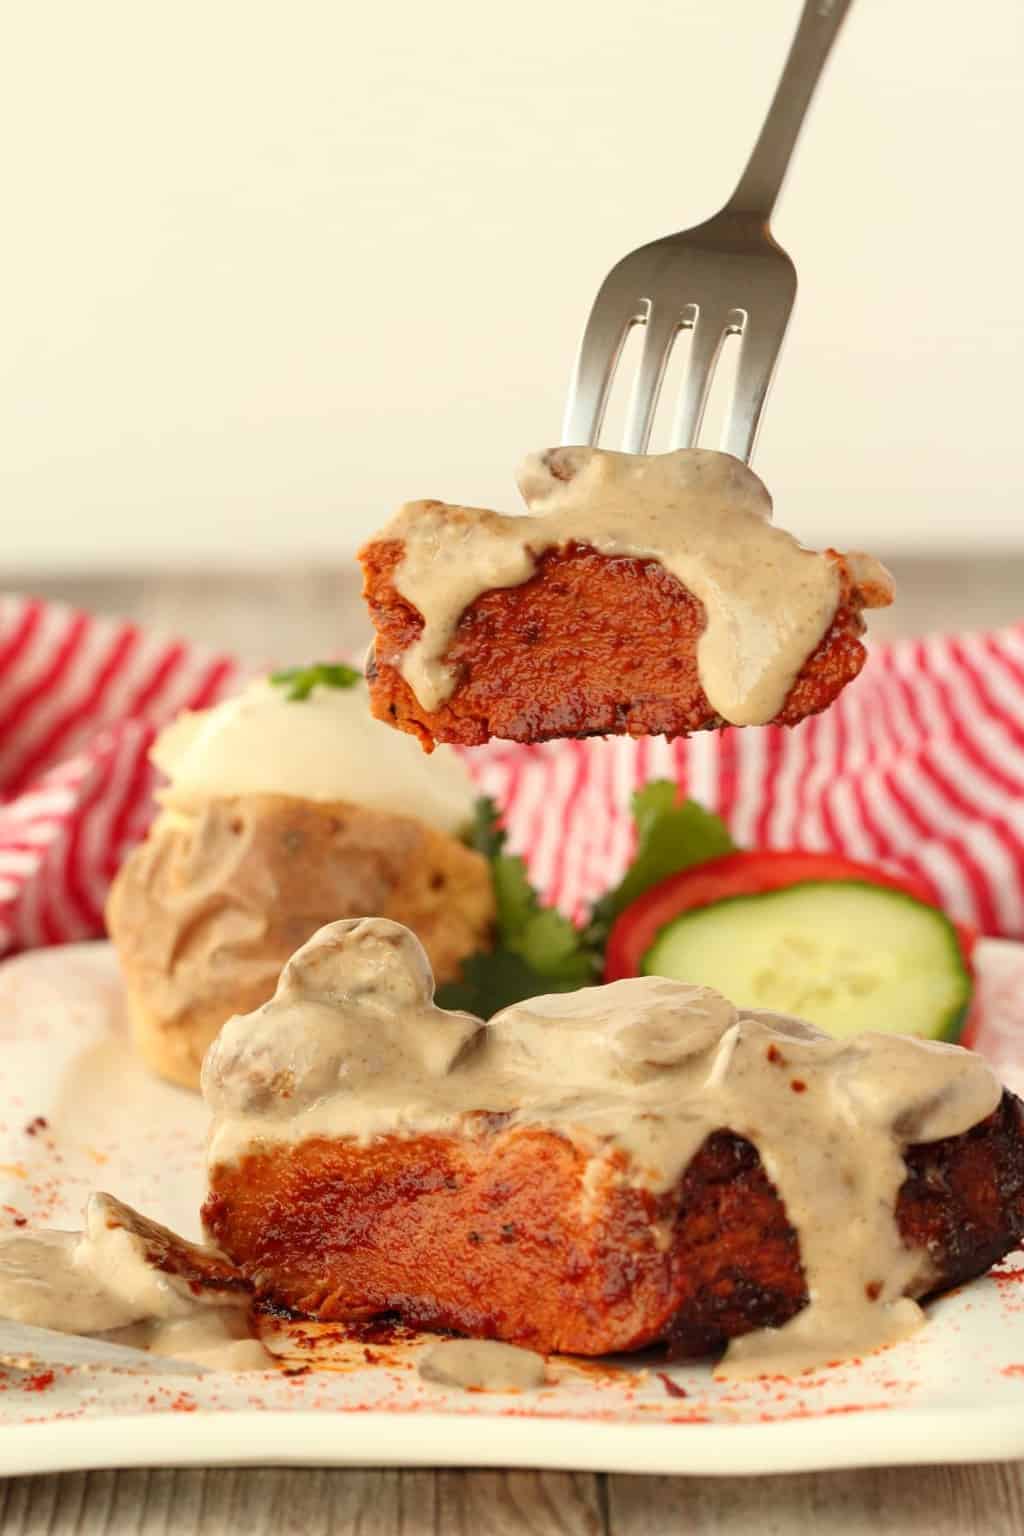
[741,874]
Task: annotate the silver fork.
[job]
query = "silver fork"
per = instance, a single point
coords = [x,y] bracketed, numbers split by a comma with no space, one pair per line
[724,277]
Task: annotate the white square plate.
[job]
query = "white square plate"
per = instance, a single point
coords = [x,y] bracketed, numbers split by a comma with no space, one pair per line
[78,1112]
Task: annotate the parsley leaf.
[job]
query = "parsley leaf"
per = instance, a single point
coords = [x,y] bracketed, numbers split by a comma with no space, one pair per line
[486,833]
[536,950]
[492,980]
[671,835]
[300,681]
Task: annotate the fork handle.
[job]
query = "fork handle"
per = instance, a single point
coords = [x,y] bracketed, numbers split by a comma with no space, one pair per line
[759,186]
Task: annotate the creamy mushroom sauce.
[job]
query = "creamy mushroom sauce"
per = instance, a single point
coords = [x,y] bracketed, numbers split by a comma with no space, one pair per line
[352,1045]
[103,1281]
[481,1365]
[704,516]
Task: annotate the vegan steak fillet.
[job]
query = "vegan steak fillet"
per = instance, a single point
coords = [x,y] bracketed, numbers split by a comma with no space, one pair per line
[643,595]
[597,1171]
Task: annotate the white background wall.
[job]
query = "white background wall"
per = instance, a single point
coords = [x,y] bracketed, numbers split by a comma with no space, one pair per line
[269,269]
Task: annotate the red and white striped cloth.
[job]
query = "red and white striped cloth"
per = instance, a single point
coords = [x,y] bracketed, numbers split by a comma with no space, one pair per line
[81,699]
[919,766]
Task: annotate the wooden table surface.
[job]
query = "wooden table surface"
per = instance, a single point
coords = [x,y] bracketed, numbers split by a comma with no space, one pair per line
[304,614]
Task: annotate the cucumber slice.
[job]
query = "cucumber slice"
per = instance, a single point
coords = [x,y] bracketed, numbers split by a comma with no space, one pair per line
[844,954]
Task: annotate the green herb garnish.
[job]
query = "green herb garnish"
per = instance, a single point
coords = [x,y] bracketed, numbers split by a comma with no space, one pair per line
[485,832]
[300,681]
[671,835]
[536,949]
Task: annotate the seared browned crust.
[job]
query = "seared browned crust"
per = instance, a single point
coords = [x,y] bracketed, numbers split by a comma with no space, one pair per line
[590,645]
[497,1236]
[962,1204]
[208,909]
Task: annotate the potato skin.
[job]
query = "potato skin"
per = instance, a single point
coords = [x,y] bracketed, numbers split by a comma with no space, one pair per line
[590,645]
[206,911]
[501,1234]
